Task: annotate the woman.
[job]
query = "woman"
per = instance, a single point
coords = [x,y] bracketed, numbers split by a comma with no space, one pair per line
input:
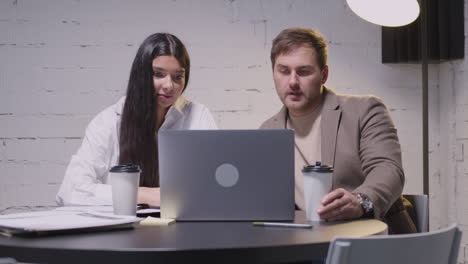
[126,132]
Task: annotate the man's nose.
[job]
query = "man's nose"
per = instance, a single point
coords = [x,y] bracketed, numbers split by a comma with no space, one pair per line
[293,80]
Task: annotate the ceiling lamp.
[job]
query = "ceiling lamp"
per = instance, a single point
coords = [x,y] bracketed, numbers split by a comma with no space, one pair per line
[388,13]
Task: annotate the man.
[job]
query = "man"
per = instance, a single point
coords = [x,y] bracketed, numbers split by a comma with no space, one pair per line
[354,134]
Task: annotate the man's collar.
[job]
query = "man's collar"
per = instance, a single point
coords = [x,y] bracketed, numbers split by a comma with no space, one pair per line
[330,100]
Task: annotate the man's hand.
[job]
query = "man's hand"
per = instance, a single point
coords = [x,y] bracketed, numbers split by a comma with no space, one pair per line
[150,196]
[340,204]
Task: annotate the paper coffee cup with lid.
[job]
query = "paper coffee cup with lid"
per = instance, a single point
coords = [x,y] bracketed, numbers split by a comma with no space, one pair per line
[317,181]
[125,180]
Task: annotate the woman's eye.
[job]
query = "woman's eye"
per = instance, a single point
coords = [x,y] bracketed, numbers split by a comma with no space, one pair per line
[178,77]
[158,75]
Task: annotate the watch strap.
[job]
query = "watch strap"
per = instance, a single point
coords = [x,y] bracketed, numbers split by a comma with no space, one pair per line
[366,205]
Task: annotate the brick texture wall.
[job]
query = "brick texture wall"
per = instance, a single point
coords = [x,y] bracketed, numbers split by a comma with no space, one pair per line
[63,61]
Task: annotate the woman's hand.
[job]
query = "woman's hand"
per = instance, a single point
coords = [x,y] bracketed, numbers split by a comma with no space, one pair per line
[150,196]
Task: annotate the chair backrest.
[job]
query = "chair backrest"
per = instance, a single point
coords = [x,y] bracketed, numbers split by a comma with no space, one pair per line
[436,247]
[7,260]
[421,207]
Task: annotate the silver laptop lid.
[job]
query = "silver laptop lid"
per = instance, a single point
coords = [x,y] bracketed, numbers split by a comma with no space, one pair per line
[226,174]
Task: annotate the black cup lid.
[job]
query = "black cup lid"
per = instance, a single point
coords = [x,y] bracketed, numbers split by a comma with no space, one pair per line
[318,167]
[125,168]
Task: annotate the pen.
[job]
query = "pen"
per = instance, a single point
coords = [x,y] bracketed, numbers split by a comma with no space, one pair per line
[282,224]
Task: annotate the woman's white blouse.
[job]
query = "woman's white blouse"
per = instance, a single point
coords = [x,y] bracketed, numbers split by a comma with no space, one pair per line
[86,178]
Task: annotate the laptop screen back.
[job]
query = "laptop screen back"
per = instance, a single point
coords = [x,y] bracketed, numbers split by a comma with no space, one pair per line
[226,174]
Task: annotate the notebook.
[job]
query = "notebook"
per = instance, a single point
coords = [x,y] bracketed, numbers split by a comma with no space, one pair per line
[226,175]
[62,221]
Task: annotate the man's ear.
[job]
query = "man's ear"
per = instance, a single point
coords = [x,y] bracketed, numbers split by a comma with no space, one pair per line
[324,74]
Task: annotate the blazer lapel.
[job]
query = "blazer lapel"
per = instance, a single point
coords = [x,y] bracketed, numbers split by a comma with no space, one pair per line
[279,120]
[331,114]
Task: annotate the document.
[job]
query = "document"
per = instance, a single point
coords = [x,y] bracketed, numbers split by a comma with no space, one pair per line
[63,220]
[105,209]
[156,221]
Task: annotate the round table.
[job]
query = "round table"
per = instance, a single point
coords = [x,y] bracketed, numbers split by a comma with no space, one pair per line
[223,242]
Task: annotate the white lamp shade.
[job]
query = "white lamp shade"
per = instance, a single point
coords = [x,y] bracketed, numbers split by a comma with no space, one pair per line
[389,13]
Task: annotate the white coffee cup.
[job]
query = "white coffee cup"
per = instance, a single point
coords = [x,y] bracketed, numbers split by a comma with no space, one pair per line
[125,180]
[317,181]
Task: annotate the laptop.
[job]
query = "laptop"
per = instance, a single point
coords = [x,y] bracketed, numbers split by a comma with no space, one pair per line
[226,175]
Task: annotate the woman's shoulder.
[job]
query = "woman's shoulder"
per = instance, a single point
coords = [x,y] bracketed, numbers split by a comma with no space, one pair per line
[196,105]
[194,108]
[197,116]
[110,114]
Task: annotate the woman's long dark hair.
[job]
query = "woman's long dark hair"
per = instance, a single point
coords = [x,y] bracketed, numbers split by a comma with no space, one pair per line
[138,129]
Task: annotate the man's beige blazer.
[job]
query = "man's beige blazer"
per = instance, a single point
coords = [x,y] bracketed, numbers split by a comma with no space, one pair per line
[360,140]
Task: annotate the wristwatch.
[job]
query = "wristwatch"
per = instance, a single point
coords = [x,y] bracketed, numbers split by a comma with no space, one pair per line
[366,204]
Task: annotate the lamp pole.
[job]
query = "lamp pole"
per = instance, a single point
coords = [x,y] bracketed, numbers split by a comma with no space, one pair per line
[425,102]
[425,96]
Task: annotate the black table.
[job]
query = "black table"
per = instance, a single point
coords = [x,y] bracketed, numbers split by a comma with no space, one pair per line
[223,242]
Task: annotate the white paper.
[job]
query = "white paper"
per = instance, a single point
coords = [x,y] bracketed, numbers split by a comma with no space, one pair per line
[148,211]
[63,219]
[102,209]
[96,208]
[36,214]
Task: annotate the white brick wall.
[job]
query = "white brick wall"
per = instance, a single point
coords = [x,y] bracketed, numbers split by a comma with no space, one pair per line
[450,187]
[62,61]
[449,176]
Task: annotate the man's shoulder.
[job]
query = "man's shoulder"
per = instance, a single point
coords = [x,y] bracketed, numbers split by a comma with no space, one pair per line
[276,121]
[350,102]
[353,107]
[268,123]
[351,99]
[361,107]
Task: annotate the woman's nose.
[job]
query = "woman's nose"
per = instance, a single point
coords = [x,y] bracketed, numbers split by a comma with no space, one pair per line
[168,84]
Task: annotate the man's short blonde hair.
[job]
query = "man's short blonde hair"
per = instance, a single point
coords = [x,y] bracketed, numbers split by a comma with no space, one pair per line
[292,38]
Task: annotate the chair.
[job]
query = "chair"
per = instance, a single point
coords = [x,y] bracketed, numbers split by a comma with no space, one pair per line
[7,260]
[420,204]
[436,247]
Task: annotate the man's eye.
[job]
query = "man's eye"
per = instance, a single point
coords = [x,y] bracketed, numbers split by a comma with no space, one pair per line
[158,75]
[283,71]
[304,73]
